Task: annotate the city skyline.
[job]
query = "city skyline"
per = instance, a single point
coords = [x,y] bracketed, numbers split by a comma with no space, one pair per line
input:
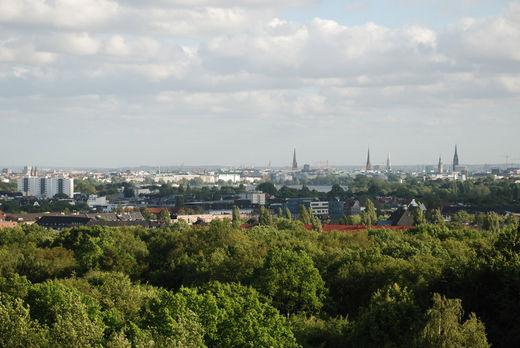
[387,165]
[114,83]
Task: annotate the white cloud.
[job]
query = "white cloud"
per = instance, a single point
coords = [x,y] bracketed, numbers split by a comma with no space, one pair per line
[71,43]
[57,13]
[24,53]
[241,63]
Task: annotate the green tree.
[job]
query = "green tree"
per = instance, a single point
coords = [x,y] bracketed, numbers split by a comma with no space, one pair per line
[418,215]
[461,216]
[147,214]
[436,217]
[74,327]
[391,320]
[444,328]
[304,215]
[511,221]
[369,215]
[288,214]
[84,186]
[236,217]
[221,315]
[351,220]
[164,217]
[491,222]
[292,281]
[265,217]
[279,213]
[267,187]
[17,329]
[128,192]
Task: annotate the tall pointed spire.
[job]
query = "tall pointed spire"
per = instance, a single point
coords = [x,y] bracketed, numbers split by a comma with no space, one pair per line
[455,159]
[294,163]
[388,163]
[369,165]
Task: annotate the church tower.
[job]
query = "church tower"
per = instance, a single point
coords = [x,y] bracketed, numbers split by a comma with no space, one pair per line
[294,163]
[388,163]
[369,165]
[440,166]
[455,160]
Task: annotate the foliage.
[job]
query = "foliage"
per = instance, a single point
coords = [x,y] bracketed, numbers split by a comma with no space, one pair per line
[444,329]
[418,215]
[288,214]
[277,284]
[391,320]
[304,216]
[265,217]
[164,217]
[369,215]
[292,281]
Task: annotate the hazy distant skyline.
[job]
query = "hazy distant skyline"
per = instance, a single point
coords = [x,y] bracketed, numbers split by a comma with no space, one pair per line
[105,83]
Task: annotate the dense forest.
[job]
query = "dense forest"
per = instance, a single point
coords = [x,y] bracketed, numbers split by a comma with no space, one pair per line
[277,285]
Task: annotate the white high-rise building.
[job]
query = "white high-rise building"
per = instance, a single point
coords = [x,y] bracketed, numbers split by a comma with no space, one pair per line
[48,187]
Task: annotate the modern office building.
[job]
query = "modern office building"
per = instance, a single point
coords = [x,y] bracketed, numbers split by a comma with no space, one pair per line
[45,187]
[320,208]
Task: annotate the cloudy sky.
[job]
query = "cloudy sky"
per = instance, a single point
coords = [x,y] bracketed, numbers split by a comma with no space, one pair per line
[130,82]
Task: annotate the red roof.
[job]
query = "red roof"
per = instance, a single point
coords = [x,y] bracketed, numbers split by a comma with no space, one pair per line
[355,228]
[155,210]
[346,228]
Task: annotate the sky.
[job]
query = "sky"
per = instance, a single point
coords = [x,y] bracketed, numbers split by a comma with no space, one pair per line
[112,83]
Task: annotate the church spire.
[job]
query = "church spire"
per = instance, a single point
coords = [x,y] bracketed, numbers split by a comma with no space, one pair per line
[440,166]
[369,165]
[294,163]
[455,159]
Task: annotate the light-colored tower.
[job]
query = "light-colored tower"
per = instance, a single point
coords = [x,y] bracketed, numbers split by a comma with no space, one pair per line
[388,163]
[440,166]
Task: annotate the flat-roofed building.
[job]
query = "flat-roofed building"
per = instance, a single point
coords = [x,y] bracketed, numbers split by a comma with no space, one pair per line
[45,187]
[320,208]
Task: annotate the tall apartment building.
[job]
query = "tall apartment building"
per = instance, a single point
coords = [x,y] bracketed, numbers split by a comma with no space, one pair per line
[48,187]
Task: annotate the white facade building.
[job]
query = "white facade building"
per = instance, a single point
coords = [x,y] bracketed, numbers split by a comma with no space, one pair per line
[320,208]
[45,187]
[229,177]
[95,201]
[254,197]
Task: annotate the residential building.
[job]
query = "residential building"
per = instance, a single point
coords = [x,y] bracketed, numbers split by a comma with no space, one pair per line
[45,187]
[256,198]
[94,201]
